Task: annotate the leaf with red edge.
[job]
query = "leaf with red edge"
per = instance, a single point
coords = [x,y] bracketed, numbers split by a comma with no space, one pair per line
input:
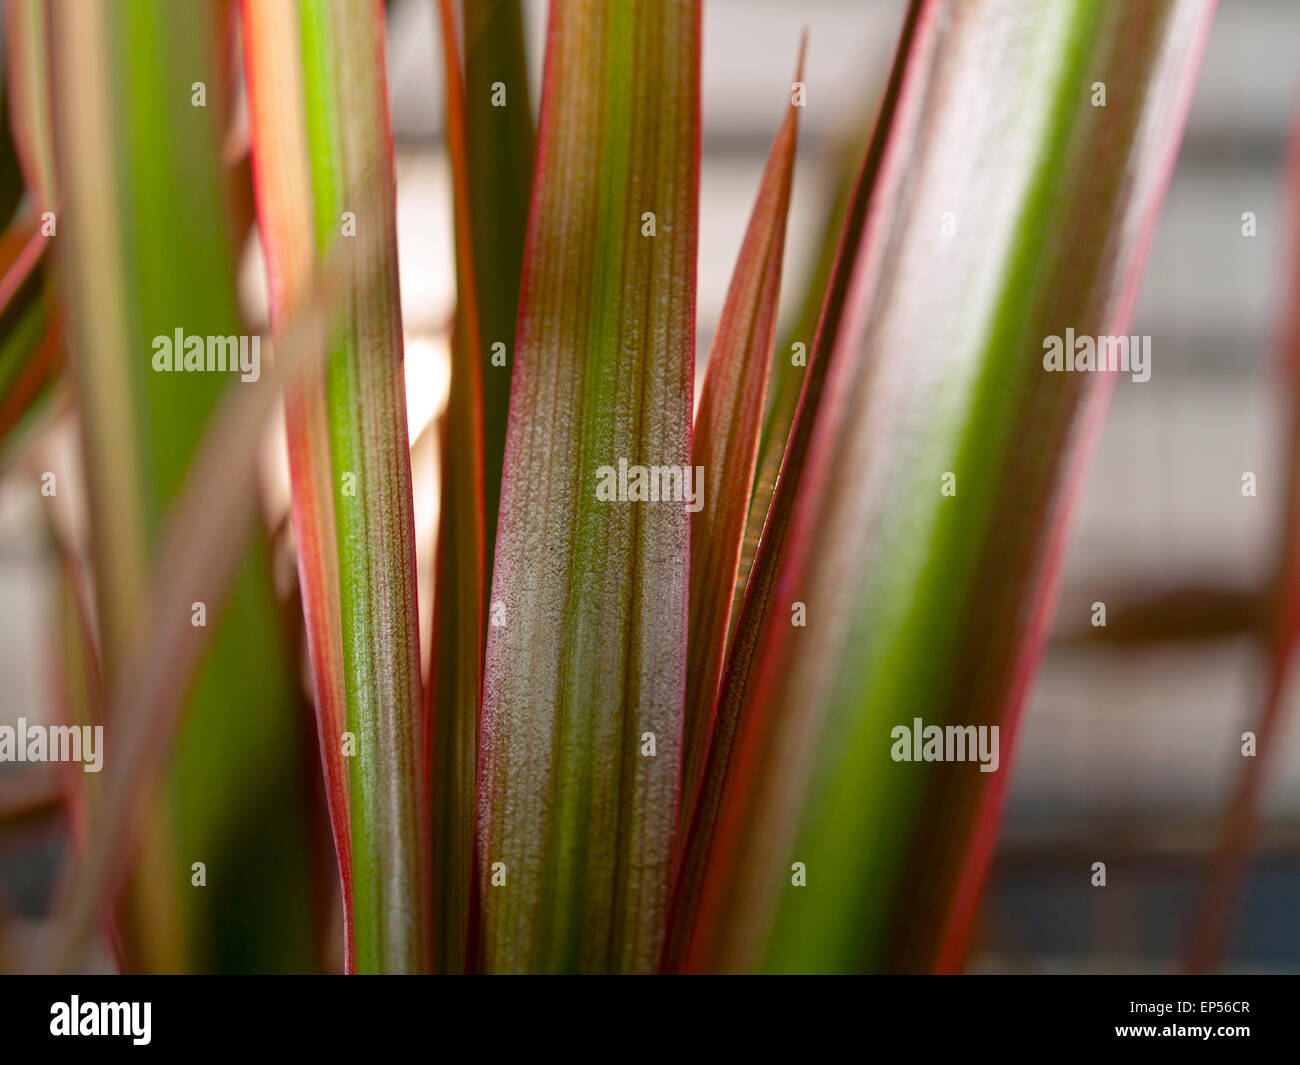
[586,656]
[935,469]
[455,689]
[30,340]
[144,251]
[350,146]
[498,147]
[197,559]
[726,441]
[282,186]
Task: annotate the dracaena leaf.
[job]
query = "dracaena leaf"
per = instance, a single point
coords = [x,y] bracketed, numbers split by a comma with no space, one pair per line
[586,654]
[30,346]
[902,592]
[138,165]
[790,363]
[27,93]
[735,692]
[282,185]
[490,141]
[11,171]
[353,187]
[197,558]
[499,143]
[726,442]
[456,688]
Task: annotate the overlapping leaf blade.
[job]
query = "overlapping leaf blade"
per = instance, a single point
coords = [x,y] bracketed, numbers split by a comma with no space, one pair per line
[282,183]
[499,144]
[144,248]
[915,602]
[31,352]
[30,348]
[27,93]
[490,140]
[457,681]
[790,365]
[353,187]
[586,654]
[726,442]
[196,558]
[736,691]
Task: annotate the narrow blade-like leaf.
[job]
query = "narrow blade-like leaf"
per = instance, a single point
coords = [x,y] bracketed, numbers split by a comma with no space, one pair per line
[735,692]
[282,184]
[30,346]
[144,248]
[499,176]
[790,365]
[726,441]
[353,187]
[586,657]
[27,93]
[197,558]
[920,563]
[456,688]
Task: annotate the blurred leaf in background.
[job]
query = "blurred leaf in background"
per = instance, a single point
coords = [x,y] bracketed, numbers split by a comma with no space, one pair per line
[144,249]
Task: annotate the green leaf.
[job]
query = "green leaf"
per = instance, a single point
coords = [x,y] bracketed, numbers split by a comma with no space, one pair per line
[586,653]
[499,143]
[27,77]
[30,340]
[353,183]
[787,377]
[736,690]
[196,558]
[144,251]
[455,690]
[490,140]
[282,182]
[916,603]
[31,349]
[726,442]
[11,173]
